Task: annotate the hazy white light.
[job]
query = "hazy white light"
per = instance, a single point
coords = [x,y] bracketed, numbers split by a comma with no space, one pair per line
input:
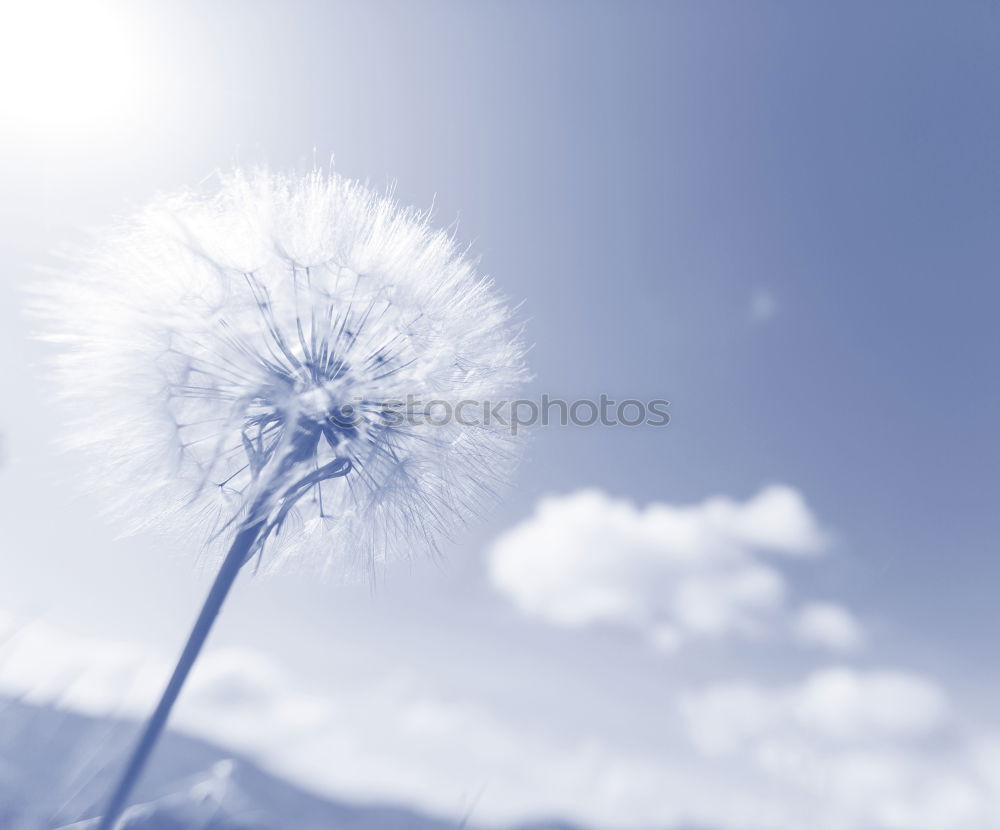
[67,69]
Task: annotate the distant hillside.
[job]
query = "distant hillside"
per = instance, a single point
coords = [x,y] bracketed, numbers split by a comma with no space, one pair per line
[56,767]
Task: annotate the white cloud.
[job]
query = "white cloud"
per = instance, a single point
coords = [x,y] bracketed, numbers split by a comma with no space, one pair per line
[867,749]
[670,572]
[830,625]
[845,704]
[832,705]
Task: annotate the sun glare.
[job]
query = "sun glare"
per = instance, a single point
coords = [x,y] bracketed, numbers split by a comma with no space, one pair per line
[68,70]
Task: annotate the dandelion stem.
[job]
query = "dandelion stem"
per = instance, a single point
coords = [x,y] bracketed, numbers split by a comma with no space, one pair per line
[235,559]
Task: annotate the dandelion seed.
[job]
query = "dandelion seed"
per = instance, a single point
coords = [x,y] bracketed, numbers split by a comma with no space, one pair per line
[239,363]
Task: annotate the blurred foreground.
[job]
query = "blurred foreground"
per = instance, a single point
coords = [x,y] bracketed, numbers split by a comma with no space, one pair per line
[57,766]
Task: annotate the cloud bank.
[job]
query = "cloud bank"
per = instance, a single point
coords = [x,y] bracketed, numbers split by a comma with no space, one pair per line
[840,749]
[852,750]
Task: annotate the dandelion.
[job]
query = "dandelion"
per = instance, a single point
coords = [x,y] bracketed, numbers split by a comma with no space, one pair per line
[239,364]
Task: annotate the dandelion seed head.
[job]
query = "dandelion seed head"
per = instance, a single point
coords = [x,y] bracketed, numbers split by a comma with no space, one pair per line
[245,354]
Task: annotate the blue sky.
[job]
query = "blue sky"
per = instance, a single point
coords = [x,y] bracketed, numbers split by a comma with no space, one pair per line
[643,177]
